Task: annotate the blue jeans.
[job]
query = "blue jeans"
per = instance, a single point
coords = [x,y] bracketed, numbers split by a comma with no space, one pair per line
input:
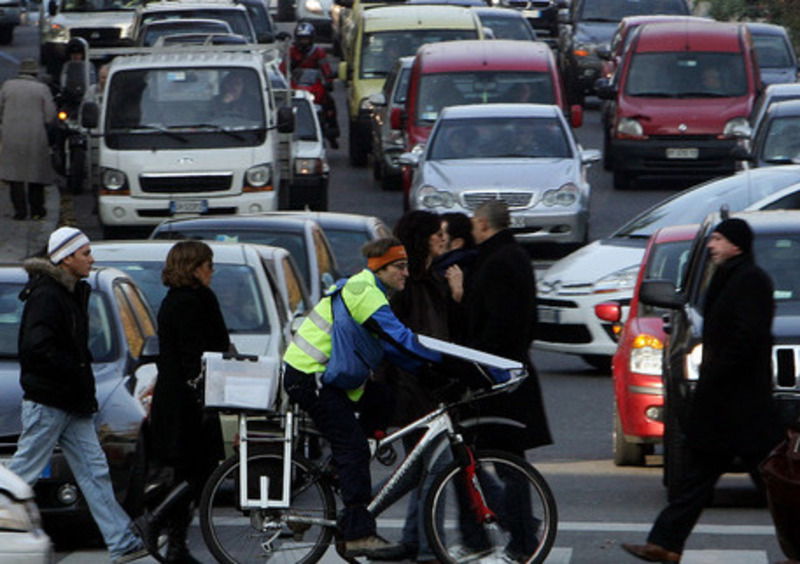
[43,428]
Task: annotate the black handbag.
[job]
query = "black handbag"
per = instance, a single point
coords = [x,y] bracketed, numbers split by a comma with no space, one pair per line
[781,474]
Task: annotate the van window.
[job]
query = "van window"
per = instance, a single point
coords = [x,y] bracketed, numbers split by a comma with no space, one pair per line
[380,50]
[438,90]
[687,75]
[305,129]
[782,140]
[237,19]
[772,52]
[163,108]
[615,10]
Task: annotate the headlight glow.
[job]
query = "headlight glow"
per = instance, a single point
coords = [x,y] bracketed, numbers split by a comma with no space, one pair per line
[629,127]
[430,197]
[620,280]
[693,361]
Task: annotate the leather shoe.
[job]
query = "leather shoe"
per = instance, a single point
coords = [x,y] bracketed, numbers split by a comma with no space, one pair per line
[651,552]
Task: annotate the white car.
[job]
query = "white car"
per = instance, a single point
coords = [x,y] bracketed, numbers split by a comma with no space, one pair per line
[309,185]
[22,539]
[606,269]
[523,154]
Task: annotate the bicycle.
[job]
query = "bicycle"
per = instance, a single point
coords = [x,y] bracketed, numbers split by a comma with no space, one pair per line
[481,506]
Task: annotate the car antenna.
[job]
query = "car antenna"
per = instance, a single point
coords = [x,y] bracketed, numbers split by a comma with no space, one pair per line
[724,212]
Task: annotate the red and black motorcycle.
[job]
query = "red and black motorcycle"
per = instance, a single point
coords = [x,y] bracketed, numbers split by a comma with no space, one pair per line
[312,81]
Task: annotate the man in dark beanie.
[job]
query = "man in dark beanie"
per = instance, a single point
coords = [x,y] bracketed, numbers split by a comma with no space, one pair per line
[732,413]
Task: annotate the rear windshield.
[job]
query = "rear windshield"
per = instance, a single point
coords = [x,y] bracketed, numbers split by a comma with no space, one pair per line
[153,32]
[772,52]
[305,129]
[380,50]
[686,75]
[504,27]
[438,90]
[667,261]
[237,19]
[615,10]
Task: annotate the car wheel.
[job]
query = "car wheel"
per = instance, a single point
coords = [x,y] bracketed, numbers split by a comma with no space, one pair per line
[625,453]
[357,150]
[676,453]
[6,35]
[599,362]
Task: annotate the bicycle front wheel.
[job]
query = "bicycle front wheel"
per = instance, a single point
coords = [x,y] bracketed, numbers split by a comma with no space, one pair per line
[301,533]
[525,516]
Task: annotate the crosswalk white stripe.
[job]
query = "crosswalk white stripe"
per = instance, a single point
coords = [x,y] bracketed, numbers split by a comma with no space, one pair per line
[724,557]
[559,555]
[737,530]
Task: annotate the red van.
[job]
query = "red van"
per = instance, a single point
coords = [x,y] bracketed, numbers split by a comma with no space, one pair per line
[453,73]
[680,100]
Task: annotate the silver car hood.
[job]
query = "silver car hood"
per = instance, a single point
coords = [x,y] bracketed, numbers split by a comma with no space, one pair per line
[494,174]
[592,262]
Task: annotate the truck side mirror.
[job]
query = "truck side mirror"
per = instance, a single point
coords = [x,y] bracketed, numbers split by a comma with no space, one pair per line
[90,115]
[660,293]
[604,89]
[285,119]
[342,71]
[397,118]
[52,8]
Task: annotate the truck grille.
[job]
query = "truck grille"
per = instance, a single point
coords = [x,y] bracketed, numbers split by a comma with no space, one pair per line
[185,184]
[512,199]
[785,368]
[97,36]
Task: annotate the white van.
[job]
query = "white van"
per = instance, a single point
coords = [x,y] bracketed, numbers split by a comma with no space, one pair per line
[186,130]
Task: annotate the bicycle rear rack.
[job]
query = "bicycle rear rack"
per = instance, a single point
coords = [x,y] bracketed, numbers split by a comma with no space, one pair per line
[263,500]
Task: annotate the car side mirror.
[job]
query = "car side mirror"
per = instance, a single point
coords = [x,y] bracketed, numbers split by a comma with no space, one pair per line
[576,115]
[283,36]
[285,119]
[342,71]
[740,153]
[590,156]
[266,37]
[397,118]
[150,350]
[604,89]
[52,8]
[661,293]
[90,115]
[410,158]
[603,52]
[377,99]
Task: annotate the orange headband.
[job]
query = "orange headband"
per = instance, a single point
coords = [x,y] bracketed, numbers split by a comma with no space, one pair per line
[398,252]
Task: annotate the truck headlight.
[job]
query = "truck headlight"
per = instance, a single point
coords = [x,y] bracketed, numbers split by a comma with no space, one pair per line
[630,128]
[114,180]
[693,361]
[646,352]
[57,33]
[258,178]
[620,280]
[566,195]
[430,197]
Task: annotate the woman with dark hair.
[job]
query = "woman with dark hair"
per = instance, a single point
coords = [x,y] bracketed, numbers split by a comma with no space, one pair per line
[183,437]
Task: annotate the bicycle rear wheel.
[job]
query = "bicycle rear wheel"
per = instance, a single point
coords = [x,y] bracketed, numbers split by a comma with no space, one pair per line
[289,535]
[526,515]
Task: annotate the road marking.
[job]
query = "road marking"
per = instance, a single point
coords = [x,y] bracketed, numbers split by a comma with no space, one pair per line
[559,555]
[9,58]
[733,530]
[724,557]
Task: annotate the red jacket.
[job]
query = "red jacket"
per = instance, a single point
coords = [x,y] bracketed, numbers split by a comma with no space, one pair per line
[315,58]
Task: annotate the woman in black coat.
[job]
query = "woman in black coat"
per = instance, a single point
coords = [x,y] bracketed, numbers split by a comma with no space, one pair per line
[183,437]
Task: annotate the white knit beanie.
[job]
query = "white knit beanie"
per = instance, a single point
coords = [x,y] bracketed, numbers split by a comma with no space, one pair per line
[63,242]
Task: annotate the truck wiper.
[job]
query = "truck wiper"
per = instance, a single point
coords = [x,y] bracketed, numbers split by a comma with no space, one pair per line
[149,128]
[610,20]
[653,94]
[705,94]
[219,128]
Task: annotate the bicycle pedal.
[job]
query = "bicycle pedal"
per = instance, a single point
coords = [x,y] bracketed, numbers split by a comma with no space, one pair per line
[386,455]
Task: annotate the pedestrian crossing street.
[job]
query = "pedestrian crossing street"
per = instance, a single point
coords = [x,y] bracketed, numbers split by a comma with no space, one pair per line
[569,531]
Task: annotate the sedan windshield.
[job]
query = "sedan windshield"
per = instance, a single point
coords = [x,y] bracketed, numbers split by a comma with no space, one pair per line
[438,90]
[687,75]
[504,27]
[772,52]
[502,137]
[380,50]
[782,140]
[615,10]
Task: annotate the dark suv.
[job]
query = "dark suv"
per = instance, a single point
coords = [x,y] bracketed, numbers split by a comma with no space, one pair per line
[777,250]
[588,25]
[542,14]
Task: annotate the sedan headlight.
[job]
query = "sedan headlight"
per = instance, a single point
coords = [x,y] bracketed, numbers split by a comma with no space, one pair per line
[258,178]
[304,167]
[646,352]
[313,6]
[617,281]
[566,195]
[114,180]
[430,197]
[57,33]
[15,515]
[736,127]
[584,49]
[629,127]
[693,361]
[365,105]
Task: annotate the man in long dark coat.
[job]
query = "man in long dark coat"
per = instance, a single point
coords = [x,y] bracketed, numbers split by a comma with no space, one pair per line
[732,412]
[500,302]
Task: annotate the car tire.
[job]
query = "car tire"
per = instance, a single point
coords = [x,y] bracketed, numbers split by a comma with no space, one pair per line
[6,35]
[599,362]
[391,182]
[357,151]
[377,167]
[608,161]
[625,453]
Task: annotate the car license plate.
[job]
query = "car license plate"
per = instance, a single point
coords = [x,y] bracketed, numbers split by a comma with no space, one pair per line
[548,315]
[532,13]
[683,153]
[188,206]
[517,221]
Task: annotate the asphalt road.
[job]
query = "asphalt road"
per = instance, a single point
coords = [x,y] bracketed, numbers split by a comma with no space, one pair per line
[600,505]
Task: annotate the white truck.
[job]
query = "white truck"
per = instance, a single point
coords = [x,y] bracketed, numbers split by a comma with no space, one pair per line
[172,139]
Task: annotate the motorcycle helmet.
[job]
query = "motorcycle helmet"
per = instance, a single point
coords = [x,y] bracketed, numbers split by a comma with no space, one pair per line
[304,34]
[76,45]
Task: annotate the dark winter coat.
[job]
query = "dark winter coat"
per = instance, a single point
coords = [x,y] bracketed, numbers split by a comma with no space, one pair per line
[54,357]
[500,303]
[732,410]
[189,323]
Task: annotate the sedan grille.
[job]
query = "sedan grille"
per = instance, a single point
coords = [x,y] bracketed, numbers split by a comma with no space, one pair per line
[186,184]
[473,200]
[97,36]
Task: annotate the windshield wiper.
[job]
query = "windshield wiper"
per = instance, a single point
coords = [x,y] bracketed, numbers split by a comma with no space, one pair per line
[150,128]
[602,20]
[703,95]
[219,128]
[653,94]
[780,160]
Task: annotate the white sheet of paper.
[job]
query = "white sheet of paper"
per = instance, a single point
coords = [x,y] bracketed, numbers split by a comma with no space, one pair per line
[466,353]
[246,392]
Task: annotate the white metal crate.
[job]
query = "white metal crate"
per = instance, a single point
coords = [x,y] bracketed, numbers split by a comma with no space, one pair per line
[241,382]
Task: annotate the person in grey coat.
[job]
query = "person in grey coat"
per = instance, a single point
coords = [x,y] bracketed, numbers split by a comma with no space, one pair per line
[26,107]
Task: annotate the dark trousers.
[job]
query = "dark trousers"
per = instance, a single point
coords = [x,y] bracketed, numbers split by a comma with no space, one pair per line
[335,416]
[35,198]
[676,521]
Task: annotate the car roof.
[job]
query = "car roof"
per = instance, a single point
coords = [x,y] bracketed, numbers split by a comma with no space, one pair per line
[675,233]
[765,222]
[498,11]
[628,21]
[189,55]
[690,36]
[283,223]
[178,5]
[332,219]
[784,108]
[500,110]
[782,88]
[762,28]
[185,22]
[156,250]
[497,54]
[420,16]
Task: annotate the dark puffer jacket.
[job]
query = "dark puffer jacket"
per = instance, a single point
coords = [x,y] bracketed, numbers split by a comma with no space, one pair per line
[55,362]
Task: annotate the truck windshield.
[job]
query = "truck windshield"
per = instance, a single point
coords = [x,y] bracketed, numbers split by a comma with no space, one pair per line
[380,50]
[98,5]
[615,10]
[687,75]
[169,108]
[438,90]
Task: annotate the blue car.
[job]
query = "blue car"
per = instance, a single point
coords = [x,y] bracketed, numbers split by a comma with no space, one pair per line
[776,57]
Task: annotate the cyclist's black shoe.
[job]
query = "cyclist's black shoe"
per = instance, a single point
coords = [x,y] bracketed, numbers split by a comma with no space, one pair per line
[401,551]
[373,547]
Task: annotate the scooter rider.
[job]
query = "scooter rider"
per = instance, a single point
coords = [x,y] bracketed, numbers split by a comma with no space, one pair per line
[304,53]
